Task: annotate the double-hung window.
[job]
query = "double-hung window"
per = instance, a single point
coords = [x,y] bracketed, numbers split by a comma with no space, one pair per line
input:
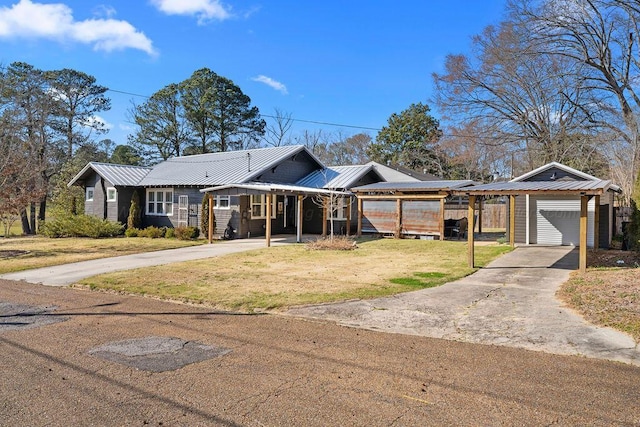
[111,194]
[259,206]
[89,194]
[160,201]
[222,202]
[340,207]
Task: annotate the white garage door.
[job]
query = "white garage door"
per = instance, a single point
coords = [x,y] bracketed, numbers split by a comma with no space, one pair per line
[557,221]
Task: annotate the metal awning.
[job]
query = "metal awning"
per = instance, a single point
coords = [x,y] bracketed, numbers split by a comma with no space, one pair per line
[242,189]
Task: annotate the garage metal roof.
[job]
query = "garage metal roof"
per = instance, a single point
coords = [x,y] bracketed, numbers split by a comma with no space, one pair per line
[596,187]
[118,175]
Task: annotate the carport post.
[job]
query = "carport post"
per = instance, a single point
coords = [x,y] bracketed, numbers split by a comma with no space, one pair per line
[584,201]
[299,227]
[480,215]
[348,231]
[359,217]
[596,224]
[512,221]
[268,221]
[471,214]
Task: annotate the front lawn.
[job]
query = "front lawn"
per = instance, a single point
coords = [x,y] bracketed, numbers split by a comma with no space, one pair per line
[279,277]
[606,295]
[23,253]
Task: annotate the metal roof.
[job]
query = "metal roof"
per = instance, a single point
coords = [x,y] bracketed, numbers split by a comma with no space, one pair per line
[414,186]
[117,175]
[551,187]
[396,173]
[336,176]
[220,168]
[266,187]
[548,166]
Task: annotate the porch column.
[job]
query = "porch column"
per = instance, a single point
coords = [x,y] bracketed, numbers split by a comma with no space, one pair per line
[480,214]
[470,244]
[349,216]
[299,225]
[512,221]
[268,220]
[324,217]
[359,217]
[398,218]
[211,219]
[596,224]
[584,201]
[442,219]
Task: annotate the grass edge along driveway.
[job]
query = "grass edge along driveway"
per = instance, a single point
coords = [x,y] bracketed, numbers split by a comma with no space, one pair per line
[279,277]
[36,252]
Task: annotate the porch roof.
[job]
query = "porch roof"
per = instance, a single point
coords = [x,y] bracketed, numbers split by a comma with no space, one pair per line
[251,188]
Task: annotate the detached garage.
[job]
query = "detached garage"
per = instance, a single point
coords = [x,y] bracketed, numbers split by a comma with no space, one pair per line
[553,205]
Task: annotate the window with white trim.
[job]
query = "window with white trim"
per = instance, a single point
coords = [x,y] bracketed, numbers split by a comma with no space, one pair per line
[340,207]
[160,201]
[89,194]
[259,206]
[111,194]
[222,202]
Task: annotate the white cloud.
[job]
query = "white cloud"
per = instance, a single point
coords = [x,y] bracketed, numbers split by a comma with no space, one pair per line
[271,83]
[55,21]
[204,10]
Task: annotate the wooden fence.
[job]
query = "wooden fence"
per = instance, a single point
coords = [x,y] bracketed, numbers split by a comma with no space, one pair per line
[493,215]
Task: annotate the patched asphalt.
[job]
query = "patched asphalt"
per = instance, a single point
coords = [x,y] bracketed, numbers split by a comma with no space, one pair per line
[282,371]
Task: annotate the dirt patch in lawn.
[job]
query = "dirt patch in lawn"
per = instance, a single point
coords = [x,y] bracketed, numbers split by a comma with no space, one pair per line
[11,253]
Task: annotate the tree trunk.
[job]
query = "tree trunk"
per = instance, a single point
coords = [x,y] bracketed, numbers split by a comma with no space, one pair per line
[24,219]
[32,217]
[42,211]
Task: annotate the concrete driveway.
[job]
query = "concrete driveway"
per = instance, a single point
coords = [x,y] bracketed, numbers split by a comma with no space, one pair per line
[511,302]
[67,274]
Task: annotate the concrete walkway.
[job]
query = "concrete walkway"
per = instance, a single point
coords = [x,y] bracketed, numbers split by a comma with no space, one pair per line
[67,274]
[511,302]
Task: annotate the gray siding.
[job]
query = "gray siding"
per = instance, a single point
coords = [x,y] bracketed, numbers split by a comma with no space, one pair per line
[290,170]
[559,175]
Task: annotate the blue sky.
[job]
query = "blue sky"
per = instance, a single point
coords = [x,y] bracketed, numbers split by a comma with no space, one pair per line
[345,62]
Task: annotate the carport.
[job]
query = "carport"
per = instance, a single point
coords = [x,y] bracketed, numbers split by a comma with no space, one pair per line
[584,190]
[269,190]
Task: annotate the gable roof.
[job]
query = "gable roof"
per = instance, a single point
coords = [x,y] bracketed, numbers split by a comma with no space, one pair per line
[221,168]
[557,165]
[395,173]
[118,175]
[336,176]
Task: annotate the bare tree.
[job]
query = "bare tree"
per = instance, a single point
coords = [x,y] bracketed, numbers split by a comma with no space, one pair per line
[524,101]
[278,129]
[600,39]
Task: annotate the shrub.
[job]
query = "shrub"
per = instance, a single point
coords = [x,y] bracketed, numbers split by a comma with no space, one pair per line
[81,226]
[152,232]
[341,243]
[134,218]
[186,233]
[132,232]
[170,233]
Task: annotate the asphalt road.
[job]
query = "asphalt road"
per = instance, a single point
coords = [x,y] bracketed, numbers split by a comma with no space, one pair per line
[281,371]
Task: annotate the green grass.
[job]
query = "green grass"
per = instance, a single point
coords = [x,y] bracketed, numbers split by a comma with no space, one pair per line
[279,277]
